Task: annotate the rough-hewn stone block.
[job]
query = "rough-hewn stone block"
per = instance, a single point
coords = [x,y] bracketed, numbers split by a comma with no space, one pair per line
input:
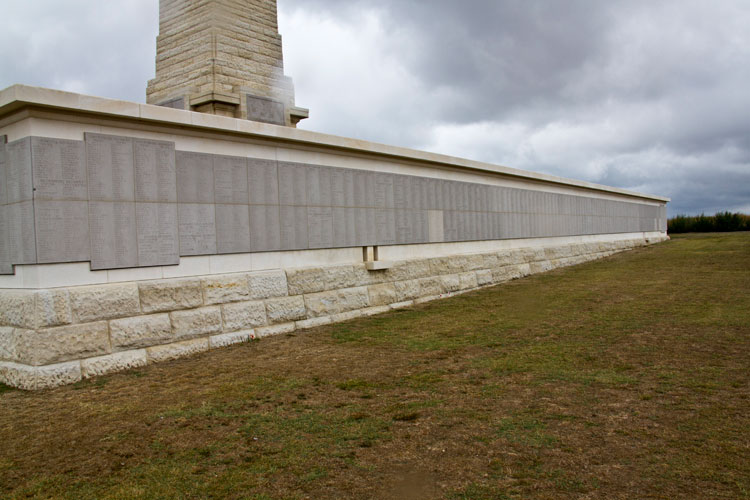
[196,322]
[223,289]
[467,280]
[62,343]
[313,322]
[40,377]
[432,286]
[267,284]
[17,309]
[170,295]
[265,331]
[227,339]
[176,350]
[111,363]
[7,343]
[371,311]
[450,283]
[408,270]
[336,301]
[286,309]
[243,315]
[92,303]
[382,294]
[402,305]
[484,277]
[346,316]
[140,331]
[318,279]
[407,290]
[53,308]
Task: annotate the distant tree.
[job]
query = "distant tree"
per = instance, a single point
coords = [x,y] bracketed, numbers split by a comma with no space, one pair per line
[721,222]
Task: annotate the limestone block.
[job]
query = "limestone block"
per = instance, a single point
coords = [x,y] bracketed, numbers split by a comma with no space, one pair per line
[402,305]
[176,350]
[541,266]
[346,316]
[509,258]
[227,339]
[92,303]
[7,343]
[382,294]
[318,279]
[409,270]
[489,261]
[336,301]
[457,264]
[524,269]
[243,315]
[279,329]
[432,286]
[449,283]
[484,277]
[286,309]
[62,343]
[467,280]
[17,308]
[313,322]
[170,295]
[196,322]
[111,363]
[33,377]
[53,308]
[428,298]
[505,273]
[407,290]
[223,289]
[371,311]
[140,331]
[267,284]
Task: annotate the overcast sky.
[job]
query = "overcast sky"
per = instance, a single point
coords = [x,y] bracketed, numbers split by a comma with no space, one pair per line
[648,95]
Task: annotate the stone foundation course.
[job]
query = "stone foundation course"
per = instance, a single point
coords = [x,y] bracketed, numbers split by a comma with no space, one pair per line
[62,335]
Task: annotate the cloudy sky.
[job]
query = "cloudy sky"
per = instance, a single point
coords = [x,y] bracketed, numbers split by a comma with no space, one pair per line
[649,95]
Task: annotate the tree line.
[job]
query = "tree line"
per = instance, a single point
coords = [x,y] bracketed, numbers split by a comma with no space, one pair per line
[721,222]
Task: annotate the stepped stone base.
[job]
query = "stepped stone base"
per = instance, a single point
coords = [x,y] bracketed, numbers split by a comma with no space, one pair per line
[52,337]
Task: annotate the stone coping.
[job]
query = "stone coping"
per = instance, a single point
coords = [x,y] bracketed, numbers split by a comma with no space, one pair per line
[19,97]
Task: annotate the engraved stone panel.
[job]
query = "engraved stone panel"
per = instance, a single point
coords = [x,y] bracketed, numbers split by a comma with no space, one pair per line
[262,109]
[344,233]
[21,241]
[293,227]
[364,227]
[6,266]
[399,191]
[385,226]
[342,187]
[384,190]
[197,228]
[319,186]
[195,177]
[59,169]
[232,228]
[109,164]
[18,170]
[156,226]
[113,235]
[155,171]
[3,186]
[263,182]
[230,180]
[320,227]
[292,184]
[403,226]
[265,232]
[62,231]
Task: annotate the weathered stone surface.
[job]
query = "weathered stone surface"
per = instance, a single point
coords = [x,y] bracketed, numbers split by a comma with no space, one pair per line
[91,303]
[313,322]
[402,305]
[318,279]
[484,277]
[267,284]
[450,283]
[428,298]
[56,375]
[140,331]
[286,309]
[371,311]
[7,343]
[170,295]
[223,289]
[409,270]
[456,264]
[279,329]
[53,308]
[336,301]
[243,315]
[176,350]
[17,308]
[346,316]
[432,286]
[407,290]
[382,294]
[196,322]
[62,343]
[227,339]
[111,363]
[467,280]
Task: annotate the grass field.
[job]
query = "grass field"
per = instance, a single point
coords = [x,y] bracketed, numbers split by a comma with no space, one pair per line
[618,379]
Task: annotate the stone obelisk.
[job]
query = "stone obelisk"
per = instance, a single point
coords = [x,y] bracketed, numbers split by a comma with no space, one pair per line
[223,57]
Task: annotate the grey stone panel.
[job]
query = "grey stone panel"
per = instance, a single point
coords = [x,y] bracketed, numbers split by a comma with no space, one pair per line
[399,191]
[403,226]
[320,227]
[338,195]
[263,181]
[292,184]
[3,186]
[232,228]
[364,188]
[263,109]
[384,191]
[364,226]
[155,171]
[6,267]
[195,177]
[18,171]
[318,181]
[59,169]
[113,235]
[20,227]
[343,227]
[62,231]
[110,167]
[293,227]
[265,235]
[197,228]
[385,224]
[156,230]
[230,180]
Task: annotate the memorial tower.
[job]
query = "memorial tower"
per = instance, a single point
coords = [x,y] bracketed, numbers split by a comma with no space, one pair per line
[223,57]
